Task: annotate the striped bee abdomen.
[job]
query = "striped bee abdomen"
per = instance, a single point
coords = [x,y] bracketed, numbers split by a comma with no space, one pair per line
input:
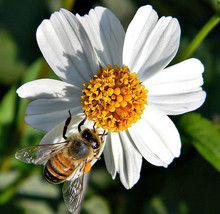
[58,168]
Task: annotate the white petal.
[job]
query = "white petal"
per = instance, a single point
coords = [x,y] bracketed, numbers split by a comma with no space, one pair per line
[140,142]
[56,134]
[156,138]
[183,77]
[142,24]
[150,45]
[44,106]
[66,47]
[121,156]
[47,89]
[53,99]
[44,114]
[130,162]
[47,121]
[178,103]
[177,89]
[106,34]
[112,153]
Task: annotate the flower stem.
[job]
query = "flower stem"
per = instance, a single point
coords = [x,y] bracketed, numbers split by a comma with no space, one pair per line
[200,37]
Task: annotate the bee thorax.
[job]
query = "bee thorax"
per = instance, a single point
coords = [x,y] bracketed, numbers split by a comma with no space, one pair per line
[79,149]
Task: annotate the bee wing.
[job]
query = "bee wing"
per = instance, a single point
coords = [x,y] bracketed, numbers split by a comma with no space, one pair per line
[38,154]
[72,189]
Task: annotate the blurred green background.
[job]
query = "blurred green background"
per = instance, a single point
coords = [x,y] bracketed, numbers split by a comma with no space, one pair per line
[191,184]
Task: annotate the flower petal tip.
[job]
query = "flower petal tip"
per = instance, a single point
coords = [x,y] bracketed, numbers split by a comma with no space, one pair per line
[21,91]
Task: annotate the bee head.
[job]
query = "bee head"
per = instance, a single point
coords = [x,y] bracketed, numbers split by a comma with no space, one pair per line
[92,137]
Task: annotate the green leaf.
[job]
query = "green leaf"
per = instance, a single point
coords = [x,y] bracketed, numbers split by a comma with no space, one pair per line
[214,4]
[41,188]
[7,178]
[100,178]
[7,113]
[96,205]
[156,205]
[34,71]
[12,112]
[10,66]
[204,136]
[7,106]
[34,206]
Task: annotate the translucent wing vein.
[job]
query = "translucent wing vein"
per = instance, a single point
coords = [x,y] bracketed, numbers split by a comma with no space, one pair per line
[72,189]
[38,154]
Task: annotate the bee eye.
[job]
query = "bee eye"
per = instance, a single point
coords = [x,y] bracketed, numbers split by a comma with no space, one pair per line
[86,134]
[94,145]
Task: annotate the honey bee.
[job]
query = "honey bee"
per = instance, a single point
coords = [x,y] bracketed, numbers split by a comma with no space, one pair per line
[67,161]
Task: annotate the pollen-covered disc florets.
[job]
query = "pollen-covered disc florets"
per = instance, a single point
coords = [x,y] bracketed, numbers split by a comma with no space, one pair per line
[114,98]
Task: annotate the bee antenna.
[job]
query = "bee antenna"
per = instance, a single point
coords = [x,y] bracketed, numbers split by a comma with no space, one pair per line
[68,120]
[94,127]
[82,123]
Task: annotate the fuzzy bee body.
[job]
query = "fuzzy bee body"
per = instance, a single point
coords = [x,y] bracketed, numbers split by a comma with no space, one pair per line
[61,166]
[67,161]
[58,168]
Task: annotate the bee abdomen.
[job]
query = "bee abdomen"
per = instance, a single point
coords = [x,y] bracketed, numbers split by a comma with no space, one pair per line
[58,169]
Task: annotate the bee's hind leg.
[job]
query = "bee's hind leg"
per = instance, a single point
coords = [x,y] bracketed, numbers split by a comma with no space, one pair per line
[68,120]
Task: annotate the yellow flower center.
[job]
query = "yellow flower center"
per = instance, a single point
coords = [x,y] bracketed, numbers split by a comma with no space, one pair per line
[114,98]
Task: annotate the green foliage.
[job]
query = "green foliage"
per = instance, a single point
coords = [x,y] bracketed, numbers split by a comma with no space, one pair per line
[7,107]
[96,205]
[8,60]
[189,185]
[204,136]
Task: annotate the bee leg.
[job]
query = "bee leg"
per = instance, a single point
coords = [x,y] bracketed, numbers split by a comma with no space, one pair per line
[98,158]
[68,120]
[94,127]
[81,123]
[103,134]
[95,154]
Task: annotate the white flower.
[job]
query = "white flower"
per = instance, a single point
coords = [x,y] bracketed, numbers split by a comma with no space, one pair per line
[76,47]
